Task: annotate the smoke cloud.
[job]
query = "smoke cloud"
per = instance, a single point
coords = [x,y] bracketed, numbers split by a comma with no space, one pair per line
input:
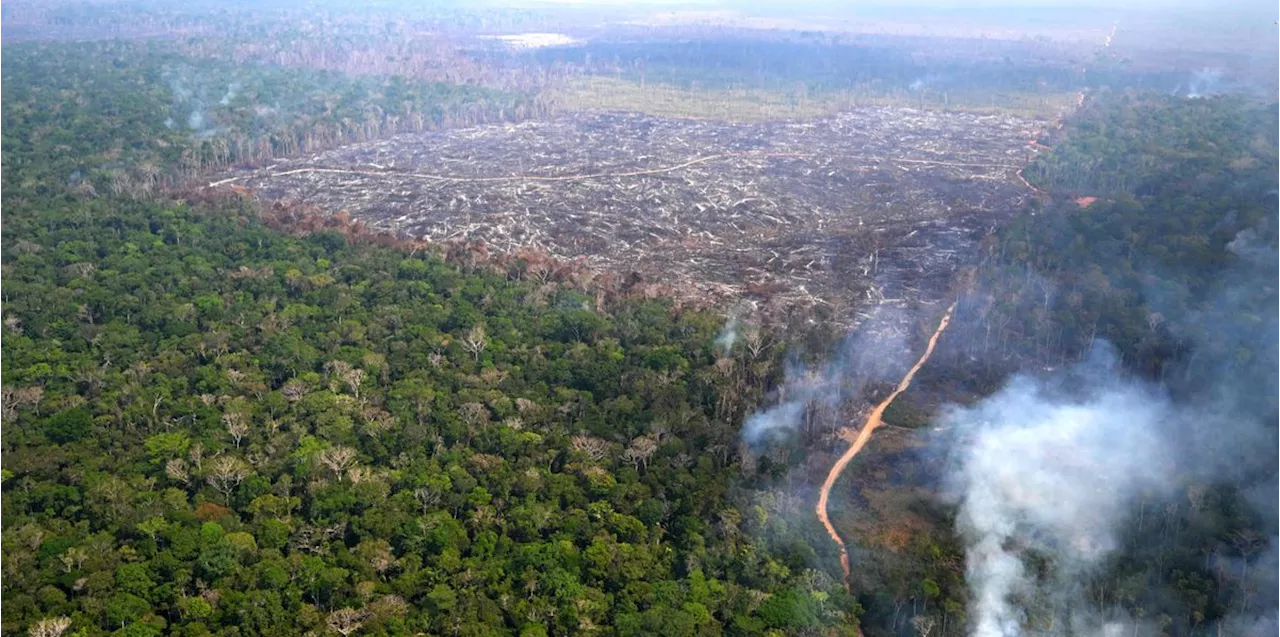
[190,97]
[1237,440]
[923,81]
[1051,470]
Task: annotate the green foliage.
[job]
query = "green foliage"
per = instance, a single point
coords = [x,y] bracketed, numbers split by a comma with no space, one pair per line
[242,429]
[790,610]
[1143,143]
[124,608]
[165,446]
[69,425]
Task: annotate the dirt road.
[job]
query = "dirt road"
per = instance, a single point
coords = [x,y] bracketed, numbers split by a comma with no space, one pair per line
[873,421]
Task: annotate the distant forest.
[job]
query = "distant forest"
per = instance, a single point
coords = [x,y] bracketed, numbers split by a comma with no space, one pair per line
[879,65]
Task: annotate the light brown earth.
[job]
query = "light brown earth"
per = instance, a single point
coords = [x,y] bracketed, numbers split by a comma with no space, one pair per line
[873,421]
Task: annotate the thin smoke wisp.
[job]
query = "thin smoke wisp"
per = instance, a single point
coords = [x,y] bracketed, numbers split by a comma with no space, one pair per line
[874,352]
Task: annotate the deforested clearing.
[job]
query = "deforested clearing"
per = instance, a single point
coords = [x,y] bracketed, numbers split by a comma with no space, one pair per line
[872,204]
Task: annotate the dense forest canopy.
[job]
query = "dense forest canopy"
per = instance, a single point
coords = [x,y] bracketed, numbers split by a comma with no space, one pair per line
[210,424]
[1162,206]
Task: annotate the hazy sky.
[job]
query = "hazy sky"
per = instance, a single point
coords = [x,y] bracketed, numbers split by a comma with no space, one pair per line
[847,5]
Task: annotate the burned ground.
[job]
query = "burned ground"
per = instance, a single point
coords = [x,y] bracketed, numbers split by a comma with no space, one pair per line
[872,205]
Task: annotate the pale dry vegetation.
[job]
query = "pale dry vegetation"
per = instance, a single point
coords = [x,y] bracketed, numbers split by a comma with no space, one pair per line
[601,93]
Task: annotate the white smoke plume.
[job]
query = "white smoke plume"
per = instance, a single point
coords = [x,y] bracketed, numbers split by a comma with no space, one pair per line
[1052,471]
[1260,578]
[729,334]
[189,96]
[925,81]
[876,351]
[233,89]
[195,121]
[1237,444]
[777,419]
[803,387]
[1204,83]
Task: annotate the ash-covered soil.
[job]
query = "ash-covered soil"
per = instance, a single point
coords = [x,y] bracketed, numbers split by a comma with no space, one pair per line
[869,206]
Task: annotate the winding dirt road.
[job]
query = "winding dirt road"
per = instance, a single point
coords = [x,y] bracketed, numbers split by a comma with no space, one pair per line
[873,421]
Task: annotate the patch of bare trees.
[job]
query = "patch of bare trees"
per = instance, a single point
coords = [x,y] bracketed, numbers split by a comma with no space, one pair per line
[427,497]
[377,421]
[294,389]
[595,448]
[473,414]
[346,621]
[226,473]
[51,627]
[338,460]
[476,341]
[236,426]
[924,625]
[638,454]
[343,373]
[177,471]
[11,400]
[315,539]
